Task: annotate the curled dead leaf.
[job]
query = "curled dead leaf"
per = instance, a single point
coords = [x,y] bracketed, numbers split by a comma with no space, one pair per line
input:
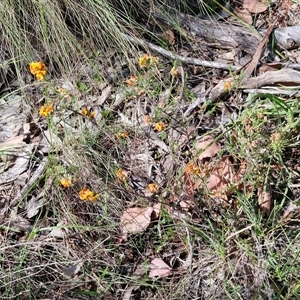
[208,147]
[137,219]
[254,6]
[158,268]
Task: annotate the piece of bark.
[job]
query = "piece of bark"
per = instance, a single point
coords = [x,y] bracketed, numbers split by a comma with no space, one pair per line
[221,34]
[288,37]
[286,77]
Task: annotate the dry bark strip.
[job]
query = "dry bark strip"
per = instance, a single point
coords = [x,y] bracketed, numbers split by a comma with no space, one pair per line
[222,34]
[256,57]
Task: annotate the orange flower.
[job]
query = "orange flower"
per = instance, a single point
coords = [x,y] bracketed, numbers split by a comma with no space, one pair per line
[160,126]
[122,175]
[152,187]
[124,134]
[87,194]
[192,169]
[86,112]
[228,85]
[38,69]
[46,109]
[132,81]
[66,182]
[146,60]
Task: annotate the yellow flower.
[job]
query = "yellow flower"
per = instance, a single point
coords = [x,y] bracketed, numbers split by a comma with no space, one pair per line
[152,187]
[160,126]
[87,194]
[145,61]
[38,69]
[46,109]
[228,85]
[124,134]
[88,113]
[66,182]
[122,175]
[132,81]
[192,169]
[174,72]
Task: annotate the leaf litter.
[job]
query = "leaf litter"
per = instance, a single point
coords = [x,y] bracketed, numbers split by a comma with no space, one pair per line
[190,173]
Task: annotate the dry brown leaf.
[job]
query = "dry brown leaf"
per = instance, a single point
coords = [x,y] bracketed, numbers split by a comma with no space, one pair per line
[135,220]
[168,36]
[254,6]
[222,174]
[244,14]
[269,67]
[209,147]
[290,210]
[264,200]
[159,268]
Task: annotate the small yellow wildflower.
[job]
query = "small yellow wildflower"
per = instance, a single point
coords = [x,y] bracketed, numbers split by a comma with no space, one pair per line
[87,194]
[228,85]
[174,72]
[122,175]
[86,112]
[160,126]
[46,109]
[192,169]
[152,187]
[124,134]
[132,81]
[146,60]
[38,69]
[66,182]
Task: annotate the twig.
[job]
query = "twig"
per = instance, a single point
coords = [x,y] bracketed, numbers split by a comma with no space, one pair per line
[184,59]
[256,57]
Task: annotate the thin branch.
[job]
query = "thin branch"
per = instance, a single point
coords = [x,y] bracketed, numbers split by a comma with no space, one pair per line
[184,59]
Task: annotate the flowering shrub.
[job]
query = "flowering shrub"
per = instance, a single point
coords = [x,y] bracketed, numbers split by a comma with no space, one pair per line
[38,69]
[86,112]
[87,194]
[152,187]
[46,110]
[146,61]
[66,182]
[192,169]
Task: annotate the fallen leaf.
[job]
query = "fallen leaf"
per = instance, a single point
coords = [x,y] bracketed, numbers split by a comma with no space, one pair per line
[244,14]
[290,209]
[135,220]
[209,147]
[221,175]
[269,67]
[264,200]
[34,204]
[254,6]
[72,270]
[158,268]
